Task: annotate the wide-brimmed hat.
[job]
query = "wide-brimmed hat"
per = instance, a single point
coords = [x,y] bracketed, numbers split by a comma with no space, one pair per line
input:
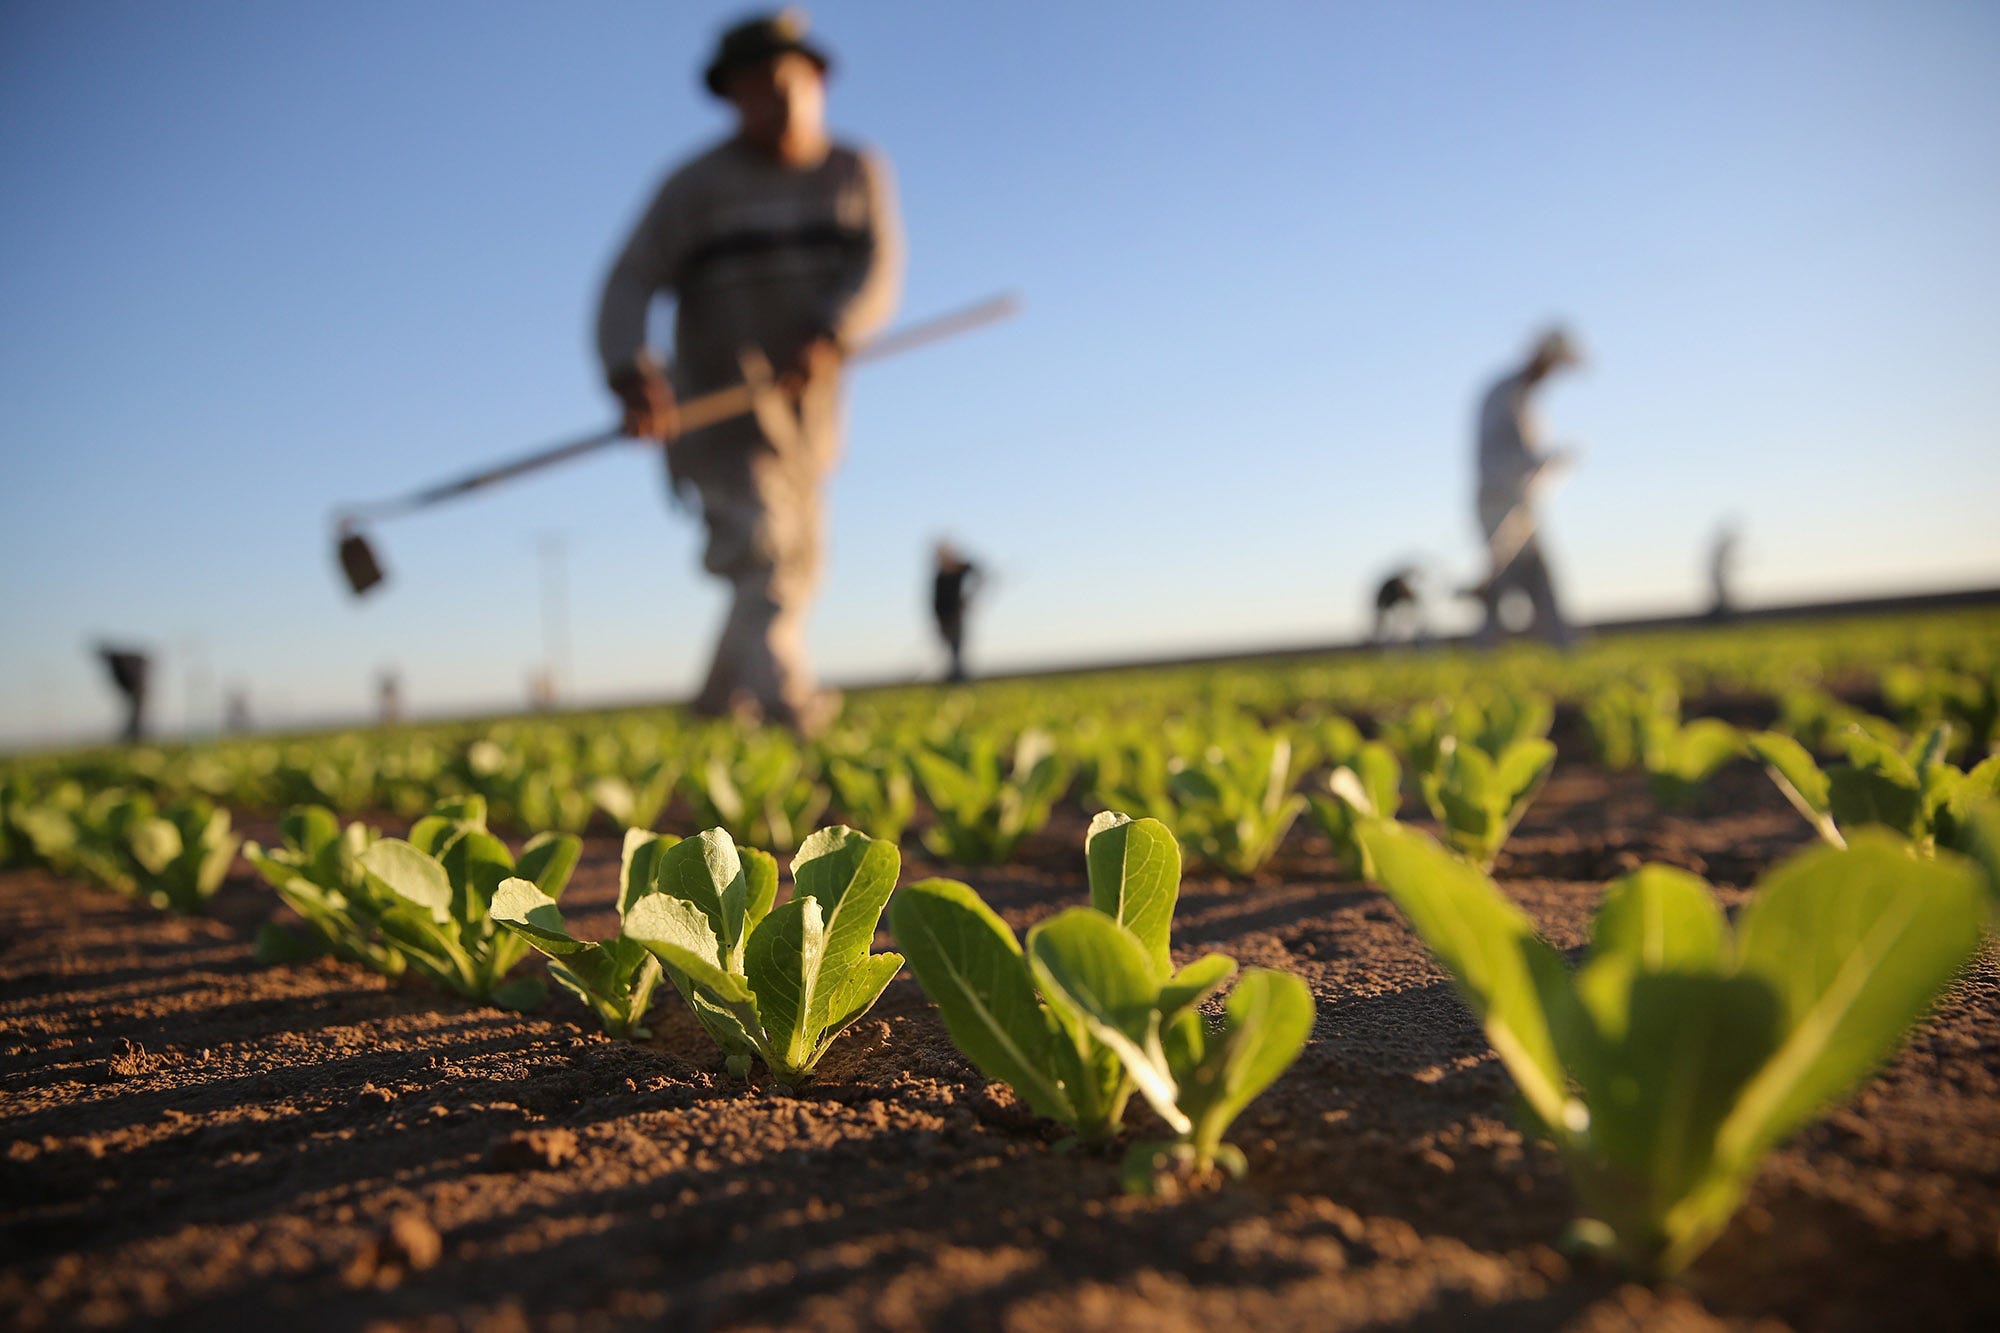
[758,39]
[1555,347]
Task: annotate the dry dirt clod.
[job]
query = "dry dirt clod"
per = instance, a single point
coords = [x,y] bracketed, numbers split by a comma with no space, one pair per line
[409,1244]
[533,1150]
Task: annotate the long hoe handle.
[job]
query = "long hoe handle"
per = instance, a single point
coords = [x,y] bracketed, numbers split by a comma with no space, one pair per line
[695,414]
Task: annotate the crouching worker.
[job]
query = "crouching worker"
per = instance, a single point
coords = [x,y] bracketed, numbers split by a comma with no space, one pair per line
[781,245]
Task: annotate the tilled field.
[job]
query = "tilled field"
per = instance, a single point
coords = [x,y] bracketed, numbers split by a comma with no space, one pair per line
[194,1140]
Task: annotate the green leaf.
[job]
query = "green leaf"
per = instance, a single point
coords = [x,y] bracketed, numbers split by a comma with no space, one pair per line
[851,876]
[1799,778]
[1659,1087]
[522,907]
[1856,943]
[155,843]
[1135,879]
[856,992]
[475,863]
[679,934]
[638,863]
[549,859]
[309,829]
[1659,919]
[1194,983]
[1505,973]
[782,961]
[1266,1022]
[400,869]
[971,966]
[1859,796]
[1095,975]
[760,885]
[705,870]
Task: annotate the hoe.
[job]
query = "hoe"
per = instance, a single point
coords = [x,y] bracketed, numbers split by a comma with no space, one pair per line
[758,391]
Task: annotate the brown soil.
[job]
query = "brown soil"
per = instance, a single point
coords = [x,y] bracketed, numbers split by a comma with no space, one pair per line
[195,1141]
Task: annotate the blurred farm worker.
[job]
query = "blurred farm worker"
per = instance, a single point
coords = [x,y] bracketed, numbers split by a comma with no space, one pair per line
[1513,466]
[952,589]
[1722,570]
[782,247]
[1399,611]
[129,670]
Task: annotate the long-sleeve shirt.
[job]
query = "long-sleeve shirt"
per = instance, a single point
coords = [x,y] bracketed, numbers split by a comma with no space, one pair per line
[756,254]
[1509,439]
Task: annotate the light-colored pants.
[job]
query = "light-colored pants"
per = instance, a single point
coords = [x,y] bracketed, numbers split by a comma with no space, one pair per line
[761,503]
[1527,572]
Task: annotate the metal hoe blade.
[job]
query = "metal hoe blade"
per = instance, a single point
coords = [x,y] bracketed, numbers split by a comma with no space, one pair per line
[358,563]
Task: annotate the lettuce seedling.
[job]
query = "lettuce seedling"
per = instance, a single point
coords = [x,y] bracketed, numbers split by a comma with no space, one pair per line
[1680,757]
[183,854]
[777,982]
[639,802]
[1368,786]
[616,977]
[981,813]
[1494,723]
[1915,791]
[1622,714]
[1479,797]
[317,872]
[1093,1009]
[1679,1053]
[1099,983]
[876,797]
[1234,804]
[759,790]
[973,968]
[438,890]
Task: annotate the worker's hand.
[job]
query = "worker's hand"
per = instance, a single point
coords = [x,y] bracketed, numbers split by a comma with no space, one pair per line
[819,357]
[650,410]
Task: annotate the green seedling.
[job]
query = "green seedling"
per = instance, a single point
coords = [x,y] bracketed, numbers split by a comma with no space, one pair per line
[317,872]
[1915,791]
[779,983]
[1680,1052]
[636,803]
[1478,798]
[877,797]
[183,854]
[438,887]
[1234,803]
[616,977]
[1093,1009]
[980,811]
[1369,786]
[1681,757]
[759,790]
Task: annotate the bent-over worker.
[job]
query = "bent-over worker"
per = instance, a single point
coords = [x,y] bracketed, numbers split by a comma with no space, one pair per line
[1512,465]
[952,589]
[782,244]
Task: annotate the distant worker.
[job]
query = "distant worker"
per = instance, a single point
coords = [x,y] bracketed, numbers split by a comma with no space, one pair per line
[389,698]
[784,246]
[1722,570]
[952,590]
[1513,466]
[129,670]
[1399,611]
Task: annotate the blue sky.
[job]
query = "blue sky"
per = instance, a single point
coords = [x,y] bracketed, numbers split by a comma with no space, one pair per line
[257,260]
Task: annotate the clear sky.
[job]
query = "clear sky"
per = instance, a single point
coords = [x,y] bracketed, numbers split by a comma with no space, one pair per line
[259,259]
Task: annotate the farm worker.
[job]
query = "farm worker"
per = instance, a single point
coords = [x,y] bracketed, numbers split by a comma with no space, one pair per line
[779,245]
[952,588]
[1513,464]
[129,669]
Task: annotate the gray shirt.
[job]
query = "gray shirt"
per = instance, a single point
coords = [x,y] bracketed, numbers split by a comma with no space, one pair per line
[759,254]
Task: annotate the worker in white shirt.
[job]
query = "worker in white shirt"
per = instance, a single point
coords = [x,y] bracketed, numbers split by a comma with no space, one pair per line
[1513,466]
